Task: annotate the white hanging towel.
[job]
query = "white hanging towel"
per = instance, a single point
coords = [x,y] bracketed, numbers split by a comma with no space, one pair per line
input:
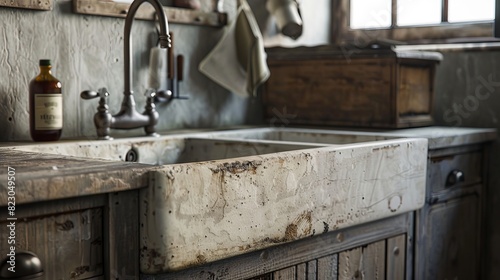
[238,61]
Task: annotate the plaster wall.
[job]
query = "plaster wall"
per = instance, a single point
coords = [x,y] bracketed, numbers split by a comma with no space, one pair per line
[87,53]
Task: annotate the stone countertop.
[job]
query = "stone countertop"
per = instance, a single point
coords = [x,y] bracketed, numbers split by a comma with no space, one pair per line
[443,137]
[41,177]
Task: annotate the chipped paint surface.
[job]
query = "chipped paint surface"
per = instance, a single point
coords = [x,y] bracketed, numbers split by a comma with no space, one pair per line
[195,213]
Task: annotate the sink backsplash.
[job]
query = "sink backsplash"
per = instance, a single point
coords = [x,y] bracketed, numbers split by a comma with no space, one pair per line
[87,53]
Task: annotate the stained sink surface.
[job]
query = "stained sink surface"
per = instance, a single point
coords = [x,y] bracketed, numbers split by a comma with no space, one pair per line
[219,194]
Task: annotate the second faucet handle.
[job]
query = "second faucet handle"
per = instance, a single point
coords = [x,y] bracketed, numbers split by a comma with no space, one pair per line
[163,96]
[90,94]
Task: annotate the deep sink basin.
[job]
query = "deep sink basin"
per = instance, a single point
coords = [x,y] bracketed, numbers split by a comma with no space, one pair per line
[219,194]
[306,135]
[165,150]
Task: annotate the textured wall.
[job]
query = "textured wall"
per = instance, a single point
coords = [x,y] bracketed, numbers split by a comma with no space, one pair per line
[87,53]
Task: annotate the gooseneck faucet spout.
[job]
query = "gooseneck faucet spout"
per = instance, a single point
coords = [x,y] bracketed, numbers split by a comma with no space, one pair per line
[128,117]
[164,37]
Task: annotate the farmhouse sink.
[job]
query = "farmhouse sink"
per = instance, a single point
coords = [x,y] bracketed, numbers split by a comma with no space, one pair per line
[199,212]
[214,195]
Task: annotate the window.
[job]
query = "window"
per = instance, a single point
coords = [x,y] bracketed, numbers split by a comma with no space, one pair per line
[361,22]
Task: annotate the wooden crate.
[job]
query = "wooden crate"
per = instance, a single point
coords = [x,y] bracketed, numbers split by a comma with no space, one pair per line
[383,89]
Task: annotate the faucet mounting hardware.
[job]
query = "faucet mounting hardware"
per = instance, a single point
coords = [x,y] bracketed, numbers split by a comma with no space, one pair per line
[128,117]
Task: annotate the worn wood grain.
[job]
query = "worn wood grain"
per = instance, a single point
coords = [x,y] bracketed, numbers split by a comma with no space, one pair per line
[285,274]
[67,236]
[396,257]
[366,262]
[177,15]
[123,235]
[328,267]
[336,87]
[40,177]
[450,227]
[28,4]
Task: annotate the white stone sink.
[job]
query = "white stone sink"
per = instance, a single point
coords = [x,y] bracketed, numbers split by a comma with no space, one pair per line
[199,212]
[219,194]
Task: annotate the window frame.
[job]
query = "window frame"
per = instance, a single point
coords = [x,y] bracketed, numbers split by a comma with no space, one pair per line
[429,34]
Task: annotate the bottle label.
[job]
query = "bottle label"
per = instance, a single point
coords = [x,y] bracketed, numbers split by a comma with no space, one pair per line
[48,111]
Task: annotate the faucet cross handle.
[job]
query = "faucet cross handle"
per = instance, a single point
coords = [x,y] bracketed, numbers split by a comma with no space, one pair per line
[102,118]
[91,94]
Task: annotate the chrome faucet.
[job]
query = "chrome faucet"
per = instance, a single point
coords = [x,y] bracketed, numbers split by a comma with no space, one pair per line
[128,117]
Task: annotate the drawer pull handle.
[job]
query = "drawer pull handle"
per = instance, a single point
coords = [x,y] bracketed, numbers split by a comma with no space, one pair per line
[456,176]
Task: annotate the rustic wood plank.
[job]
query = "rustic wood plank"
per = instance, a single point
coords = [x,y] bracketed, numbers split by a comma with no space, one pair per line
[174,15]
[366,262]
[74,239]
[328,267]
[331,86]
[285,274]
[302,272]
[415,88]
[41,177]
[123,235]
[331,90]
[312,269]
[45,5]
[396,259]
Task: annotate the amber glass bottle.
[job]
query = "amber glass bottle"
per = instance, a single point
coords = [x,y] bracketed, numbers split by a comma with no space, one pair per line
[46,105]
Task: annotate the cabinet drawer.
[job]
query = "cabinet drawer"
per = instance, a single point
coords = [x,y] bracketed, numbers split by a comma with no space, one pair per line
[455,170]
[69,245]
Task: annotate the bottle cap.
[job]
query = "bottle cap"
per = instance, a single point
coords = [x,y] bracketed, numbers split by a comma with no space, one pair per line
[45,62]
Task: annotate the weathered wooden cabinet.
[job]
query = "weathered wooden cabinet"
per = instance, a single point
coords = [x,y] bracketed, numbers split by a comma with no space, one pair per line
[383,259]
[369,88]
[93,237]
[450,226]
[67,237]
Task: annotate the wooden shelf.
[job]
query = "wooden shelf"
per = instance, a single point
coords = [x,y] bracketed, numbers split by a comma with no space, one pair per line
[45,5]
[175,15]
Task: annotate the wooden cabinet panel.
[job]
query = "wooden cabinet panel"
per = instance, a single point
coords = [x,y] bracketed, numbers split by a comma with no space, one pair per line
[285,274]
[327,91]
[366,262]
[396,248]
[414,86]
[328,268]
[449,228]
[69,245]
[451,240]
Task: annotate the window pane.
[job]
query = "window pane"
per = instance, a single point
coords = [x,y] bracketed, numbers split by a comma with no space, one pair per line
[370,13]
[466,10]
[421,12]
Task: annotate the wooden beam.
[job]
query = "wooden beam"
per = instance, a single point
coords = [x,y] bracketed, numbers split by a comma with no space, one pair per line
[174,15]
[45,5]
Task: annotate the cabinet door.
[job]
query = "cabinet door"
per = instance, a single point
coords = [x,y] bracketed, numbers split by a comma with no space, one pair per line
[451,239]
